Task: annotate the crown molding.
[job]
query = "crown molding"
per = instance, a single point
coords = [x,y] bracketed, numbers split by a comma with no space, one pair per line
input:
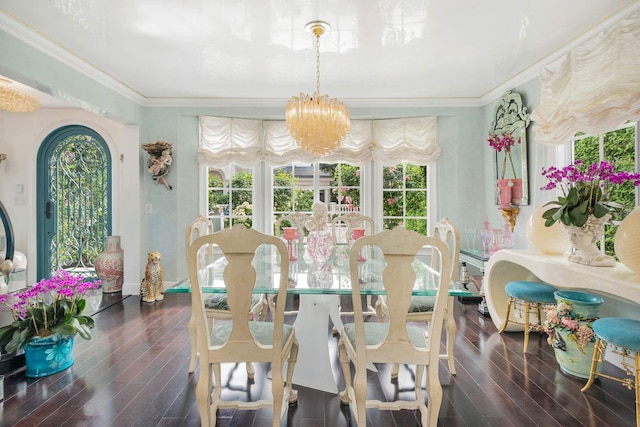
[35,39]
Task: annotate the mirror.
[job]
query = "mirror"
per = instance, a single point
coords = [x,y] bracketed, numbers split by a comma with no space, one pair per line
[510,116]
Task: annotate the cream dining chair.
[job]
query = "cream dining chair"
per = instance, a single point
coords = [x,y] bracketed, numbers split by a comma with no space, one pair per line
[296,220]
[342,228]
[216,305]
[395,341]
[421,308]
[239,339]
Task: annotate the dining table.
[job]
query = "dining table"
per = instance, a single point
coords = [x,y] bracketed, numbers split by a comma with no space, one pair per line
[319,285]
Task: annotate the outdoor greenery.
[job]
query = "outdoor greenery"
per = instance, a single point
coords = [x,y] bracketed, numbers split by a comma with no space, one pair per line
[404,193]
[619,148]
[79,190]
[405,197]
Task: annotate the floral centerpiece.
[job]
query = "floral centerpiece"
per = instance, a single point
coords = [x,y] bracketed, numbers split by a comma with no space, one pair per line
[51,306]
[586,191]
[585,206]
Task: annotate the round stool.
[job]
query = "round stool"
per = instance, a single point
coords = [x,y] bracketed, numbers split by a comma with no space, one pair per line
[528,296]
[622,337]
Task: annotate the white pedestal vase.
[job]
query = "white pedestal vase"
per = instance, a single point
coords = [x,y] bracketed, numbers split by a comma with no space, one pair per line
[584,241]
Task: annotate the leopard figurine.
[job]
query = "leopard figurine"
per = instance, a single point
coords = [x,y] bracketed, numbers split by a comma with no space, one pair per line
[151,288]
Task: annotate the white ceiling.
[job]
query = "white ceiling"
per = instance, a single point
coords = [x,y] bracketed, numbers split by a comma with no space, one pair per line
[181,51]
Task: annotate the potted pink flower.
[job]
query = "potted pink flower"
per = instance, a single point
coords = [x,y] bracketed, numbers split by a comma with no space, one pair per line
[507,194]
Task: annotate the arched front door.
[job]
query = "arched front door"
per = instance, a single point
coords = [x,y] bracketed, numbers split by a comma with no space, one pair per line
[73,200]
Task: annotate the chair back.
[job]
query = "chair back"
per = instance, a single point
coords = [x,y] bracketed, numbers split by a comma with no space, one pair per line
[201,226]
[400,248]
[342,227]
[448,233]
[244,250]
[296,220]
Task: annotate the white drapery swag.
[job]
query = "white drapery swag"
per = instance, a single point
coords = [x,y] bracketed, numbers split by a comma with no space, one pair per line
[595,88]
[225,140]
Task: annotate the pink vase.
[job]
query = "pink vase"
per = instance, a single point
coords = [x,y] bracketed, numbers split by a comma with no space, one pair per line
[109,265]
[516,191]
[355,235]
[290,234]
[504,193]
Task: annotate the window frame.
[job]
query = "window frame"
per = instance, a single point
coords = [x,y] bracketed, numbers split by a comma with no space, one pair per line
[371,190]
[568,155]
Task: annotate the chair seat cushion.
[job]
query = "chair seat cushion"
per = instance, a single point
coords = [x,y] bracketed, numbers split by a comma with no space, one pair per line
[619,331]
[422,304]
[262,332]
[531,291]
[219,302]
[375,332]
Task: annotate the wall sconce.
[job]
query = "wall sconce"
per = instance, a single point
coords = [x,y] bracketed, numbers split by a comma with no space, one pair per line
[159,162]
[510,215]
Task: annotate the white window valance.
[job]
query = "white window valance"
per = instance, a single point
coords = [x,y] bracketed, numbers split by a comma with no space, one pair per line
[594,88]
[224,140]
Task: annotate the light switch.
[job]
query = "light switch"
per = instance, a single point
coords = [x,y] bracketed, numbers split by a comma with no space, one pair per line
[148,208]
[19,188]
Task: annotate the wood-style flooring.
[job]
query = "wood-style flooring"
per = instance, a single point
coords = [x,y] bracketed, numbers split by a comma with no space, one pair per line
[134,372]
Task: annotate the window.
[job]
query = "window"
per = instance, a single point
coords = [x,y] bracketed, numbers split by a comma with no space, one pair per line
[230,196]
[404,197]
[297,186]
[402,200]
[618,147]
[286,179]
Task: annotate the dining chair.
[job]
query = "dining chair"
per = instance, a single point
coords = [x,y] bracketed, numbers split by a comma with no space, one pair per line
[395,341]
[342,227]
[296,220]
[239,339]
[421,308]
[216,305]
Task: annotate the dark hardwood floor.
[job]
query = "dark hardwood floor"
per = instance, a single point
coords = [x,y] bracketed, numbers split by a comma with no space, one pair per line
[134,373]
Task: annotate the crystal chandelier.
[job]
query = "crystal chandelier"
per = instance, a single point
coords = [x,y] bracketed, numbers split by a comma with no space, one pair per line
[15,101]
[317,123]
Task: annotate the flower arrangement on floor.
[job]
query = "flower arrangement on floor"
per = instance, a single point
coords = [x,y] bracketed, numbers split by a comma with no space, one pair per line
[504,142]
[586,190]
[51,306]
[563,318]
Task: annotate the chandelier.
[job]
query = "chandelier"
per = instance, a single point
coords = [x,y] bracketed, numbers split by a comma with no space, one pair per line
[15,101]
[317,123]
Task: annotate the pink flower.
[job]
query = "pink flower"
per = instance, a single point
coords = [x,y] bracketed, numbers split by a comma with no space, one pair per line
[502,142]
[552,316]
[570,324]
[358,173]
[391,201]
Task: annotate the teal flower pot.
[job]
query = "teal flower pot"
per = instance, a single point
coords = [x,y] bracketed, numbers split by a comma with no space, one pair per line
[571,356]
[48,355]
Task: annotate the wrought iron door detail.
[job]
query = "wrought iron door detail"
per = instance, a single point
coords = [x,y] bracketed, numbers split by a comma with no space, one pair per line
[77,204]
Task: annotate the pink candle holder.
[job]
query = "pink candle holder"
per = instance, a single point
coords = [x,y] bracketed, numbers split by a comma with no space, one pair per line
[355,235]
[290,234]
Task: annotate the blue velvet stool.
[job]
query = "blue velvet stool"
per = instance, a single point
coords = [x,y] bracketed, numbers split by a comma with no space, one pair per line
[622,337]
[528,296]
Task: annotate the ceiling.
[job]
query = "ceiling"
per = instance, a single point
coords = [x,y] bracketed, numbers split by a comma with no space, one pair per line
[190,51]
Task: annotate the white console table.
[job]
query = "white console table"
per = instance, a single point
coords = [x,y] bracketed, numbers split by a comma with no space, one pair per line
[613,283]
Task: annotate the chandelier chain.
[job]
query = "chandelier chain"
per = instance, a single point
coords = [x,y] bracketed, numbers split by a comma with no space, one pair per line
[318,63]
